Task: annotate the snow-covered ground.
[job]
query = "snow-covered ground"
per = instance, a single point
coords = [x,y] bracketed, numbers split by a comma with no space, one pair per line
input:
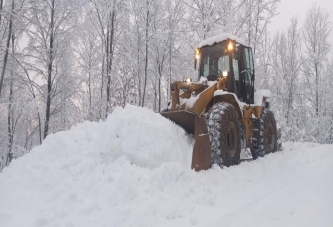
[133,170]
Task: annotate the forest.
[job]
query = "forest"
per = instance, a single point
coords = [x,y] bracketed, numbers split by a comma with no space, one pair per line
[63,62]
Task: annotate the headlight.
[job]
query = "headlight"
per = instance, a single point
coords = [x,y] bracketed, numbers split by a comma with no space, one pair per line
[225,73]
[230,46]
[197,53]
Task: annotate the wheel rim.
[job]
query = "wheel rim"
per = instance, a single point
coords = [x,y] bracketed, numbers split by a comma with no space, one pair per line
[270,138]
[231,139]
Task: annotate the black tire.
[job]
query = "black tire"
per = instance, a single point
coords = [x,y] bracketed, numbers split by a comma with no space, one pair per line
[265,135]
[224,133]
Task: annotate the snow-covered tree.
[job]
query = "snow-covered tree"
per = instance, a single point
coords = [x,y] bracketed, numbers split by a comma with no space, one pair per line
[316,31]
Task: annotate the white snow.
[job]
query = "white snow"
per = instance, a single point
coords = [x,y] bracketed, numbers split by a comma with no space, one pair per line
[219,38]
[211,83]
[259,94]
[221,92]
[132,170]
[202,80]
[189,103]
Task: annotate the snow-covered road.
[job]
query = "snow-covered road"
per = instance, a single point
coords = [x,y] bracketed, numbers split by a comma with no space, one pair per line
[134,170]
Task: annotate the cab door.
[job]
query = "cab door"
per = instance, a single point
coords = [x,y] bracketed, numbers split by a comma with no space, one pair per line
[247,75]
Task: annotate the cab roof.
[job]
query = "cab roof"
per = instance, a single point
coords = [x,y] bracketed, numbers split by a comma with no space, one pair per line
[219,38]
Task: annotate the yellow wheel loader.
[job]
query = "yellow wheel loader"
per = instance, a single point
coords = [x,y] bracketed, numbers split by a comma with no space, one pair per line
[222,109]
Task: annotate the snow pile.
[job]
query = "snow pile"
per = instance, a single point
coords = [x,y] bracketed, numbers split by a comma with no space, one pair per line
[93,175]
[146,138]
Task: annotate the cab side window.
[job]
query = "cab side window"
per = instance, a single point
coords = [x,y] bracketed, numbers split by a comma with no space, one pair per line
[248,60]
[235,67]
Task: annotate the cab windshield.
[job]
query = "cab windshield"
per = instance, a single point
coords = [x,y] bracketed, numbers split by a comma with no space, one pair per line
[214,60]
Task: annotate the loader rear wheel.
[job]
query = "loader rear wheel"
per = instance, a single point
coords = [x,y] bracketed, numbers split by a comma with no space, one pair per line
[266,138]
[224,133]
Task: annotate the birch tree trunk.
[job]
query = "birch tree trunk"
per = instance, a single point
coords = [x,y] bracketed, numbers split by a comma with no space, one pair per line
[10,119]
[49,73]
[1,4]
[5,58]
[10,125]
[110,38]
[146,56]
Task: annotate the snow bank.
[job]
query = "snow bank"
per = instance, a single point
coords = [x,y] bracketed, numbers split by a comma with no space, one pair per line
[146,138]
[92,175]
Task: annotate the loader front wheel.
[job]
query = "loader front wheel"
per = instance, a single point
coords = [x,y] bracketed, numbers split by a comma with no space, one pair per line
[224,133]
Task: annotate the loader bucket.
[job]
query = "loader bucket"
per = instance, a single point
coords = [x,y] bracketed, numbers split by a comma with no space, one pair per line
[193,124]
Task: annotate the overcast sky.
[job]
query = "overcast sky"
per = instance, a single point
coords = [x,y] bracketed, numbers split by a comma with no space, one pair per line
[299,8]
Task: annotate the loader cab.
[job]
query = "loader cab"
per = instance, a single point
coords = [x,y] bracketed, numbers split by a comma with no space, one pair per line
[231,59]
